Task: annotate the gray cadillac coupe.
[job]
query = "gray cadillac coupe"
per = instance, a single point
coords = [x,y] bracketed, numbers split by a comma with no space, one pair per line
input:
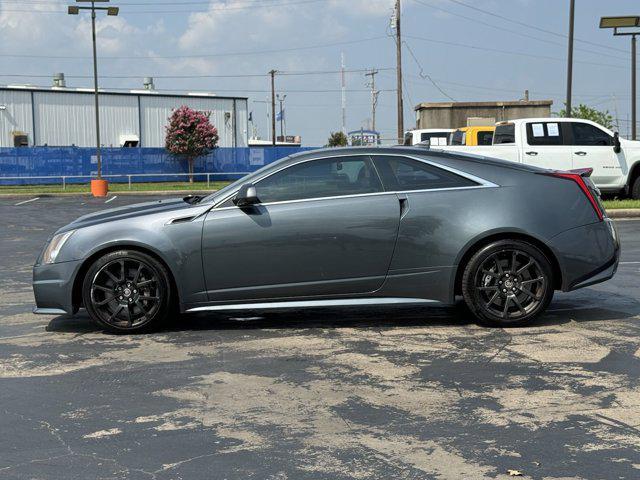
[352,226]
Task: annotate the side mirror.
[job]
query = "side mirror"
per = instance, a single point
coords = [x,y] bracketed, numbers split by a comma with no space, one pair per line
[246,196]
[616,142]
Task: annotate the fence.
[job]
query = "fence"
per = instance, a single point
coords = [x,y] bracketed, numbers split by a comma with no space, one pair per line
[62,165]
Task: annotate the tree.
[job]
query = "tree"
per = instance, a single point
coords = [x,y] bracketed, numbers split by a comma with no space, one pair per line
[588,113]
[190,135]
[337,139]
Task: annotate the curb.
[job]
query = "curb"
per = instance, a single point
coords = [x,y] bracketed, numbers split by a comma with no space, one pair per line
[624,213]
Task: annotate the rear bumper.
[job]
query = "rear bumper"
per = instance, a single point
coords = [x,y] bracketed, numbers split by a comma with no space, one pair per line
[587,254]
[53,288]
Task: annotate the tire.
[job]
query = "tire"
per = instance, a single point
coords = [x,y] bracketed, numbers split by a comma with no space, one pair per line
[127,291]
[634,191]
[508,283]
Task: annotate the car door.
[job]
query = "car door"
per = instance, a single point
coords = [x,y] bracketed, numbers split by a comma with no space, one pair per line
[544,146]
[322,227]
[592,147]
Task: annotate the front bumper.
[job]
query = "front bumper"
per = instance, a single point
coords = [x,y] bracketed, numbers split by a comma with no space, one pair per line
[53,287]
[587,254]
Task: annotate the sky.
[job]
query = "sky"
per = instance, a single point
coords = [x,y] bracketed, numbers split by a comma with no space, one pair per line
[463,50]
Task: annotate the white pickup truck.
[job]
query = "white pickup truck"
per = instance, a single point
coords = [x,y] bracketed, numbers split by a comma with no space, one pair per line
[566,144]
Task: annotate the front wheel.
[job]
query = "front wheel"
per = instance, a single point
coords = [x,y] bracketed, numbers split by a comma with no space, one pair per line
[127,291]
[508,283]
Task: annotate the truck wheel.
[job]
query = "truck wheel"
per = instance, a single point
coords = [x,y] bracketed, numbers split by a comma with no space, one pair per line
[635,188]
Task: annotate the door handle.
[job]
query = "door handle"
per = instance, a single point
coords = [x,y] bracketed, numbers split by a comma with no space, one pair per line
[582,154]
[404,207]
[532,153]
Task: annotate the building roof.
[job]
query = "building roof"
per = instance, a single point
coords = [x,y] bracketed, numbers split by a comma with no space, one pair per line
[509,103]
[154,93]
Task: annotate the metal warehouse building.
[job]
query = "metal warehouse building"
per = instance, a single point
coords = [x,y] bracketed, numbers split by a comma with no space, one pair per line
[65,116]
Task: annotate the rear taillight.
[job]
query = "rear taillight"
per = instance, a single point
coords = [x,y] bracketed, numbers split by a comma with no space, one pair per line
[579,176]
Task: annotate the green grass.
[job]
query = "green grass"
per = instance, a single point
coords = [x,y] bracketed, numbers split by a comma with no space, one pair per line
[113,187]
[616,204]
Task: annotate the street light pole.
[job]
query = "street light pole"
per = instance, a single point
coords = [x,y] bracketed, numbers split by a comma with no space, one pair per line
[95,88]
[625,23]
[111,11]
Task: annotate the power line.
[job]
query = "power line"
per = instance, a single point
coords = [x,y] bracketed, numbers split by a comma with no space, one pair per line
[512,52]
[236,90]
[184,11]
[425,76]
[210,55]
[239,75]
[533,27]
[515,32]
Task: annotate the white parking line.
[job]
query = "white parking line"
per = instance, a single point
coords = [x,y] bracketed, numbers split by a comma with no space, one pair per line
[629,263]
[111,199]
[27,201]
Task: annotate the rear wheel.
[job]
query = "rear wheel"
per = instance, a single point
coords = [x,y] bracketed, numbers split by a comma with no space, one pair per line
[508,283]
[127,291]
[635,189]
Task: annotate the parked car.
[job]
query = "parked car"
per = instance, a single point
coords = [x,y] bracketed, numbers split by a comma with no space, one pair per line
[354,226]
[430,136]
[472,136]
[568,143]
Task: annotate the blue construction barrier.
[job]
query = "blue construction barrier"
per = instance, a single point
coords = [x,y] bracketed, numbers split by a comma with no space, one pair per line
[156,164]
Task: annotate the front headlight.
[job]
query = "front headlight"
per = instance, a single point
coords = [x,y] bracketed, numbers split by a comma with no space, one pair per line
[54,247]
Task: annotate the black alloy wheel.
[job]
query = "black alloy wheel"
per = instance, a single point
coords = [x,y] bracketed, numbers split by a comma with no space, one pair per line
[508,283]
[127,291]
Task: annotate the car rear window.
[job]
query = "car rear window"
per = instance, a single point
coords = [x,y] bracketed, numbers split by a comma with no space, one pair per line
[504,134]
[403,174]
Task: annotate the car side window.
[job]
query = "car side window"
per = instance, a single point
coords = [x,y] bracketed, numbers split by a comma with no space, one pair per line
[586,134]
[327,177]
[458,138]
[505,133]
[544,133]
[402,174]
[485,138]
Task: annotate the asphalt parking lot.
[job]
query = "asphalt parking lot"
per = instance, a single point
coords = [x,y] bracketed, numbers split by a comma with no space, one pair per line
[331,394]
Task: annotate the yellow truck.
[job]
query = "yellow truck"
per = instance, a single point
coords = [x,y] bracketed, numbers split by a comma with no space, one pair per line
[473,136]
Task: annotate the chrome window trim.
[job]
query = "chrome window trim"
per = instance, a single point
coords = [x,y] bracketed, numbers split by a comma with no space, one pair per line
[482,183]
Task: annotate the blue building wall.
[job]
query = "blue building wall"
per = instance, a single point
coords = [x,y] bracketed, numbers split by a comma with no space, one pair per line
[155,163]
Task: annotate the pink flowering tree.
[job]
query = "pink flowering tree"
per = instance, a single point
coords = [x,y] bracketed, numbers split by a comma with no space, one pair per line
[190,135]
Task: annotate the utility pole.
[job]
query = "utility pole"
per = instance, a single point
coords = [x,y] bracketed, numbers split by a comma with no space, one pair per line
[634,125]
[399,72]
[273,106]
[572,5]
[344,95]
[374,95]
